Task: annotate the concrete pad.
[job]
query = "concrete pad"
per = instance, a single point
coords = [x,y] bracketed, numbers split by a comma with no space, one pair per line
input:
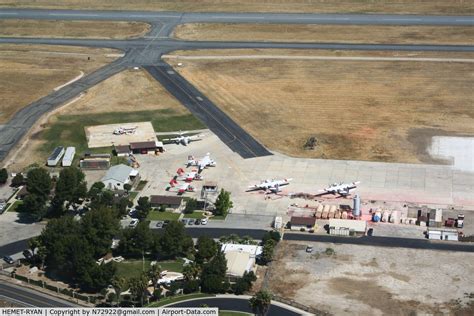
[103,135]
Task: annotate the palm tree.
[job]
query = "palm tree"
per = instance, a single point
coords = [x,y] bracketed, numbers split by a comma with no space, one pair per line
[260,302]
[191,271]
[154,274]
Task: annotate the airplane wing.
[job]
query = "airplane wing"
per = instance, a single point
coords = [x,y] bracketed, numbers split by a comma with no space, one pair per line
[254,188]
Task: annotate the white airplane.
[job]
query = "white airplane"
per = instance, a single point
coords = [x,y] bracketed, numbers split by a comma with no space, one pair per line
[343,189]
[122,130]
[272,185]
[182,138]
[204,162]
[185,187]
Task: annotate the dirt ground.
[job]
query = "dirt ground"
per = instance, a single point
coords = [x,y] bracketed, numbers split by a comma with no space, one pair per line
[29,72]
[357,109]
[361,280]
[463,7]
[119,93]
[72,29]
[376,34]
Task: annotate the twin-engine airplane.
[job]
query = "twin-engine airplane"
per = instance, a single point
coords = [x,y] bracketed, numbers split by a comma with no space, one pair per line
[273,185]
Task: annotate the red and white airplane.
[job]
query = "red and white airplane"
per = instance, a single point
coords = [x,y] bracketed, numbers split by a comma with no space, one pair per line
[343,189]
[185,187]
[203,163]
[190,176]
[272,185]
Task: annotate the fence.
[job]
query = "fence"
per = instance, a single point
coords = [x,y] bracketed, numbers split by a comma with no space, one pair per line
[40,283]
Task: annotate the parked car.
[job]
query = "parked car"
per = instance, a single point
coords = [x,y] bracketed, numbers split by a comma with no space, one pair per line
[133,223]
[132,212]
[191,221]
[184,221]
[198,221]
[370,232]
[159,224]
[204,221]
[8,259]
[166,222]
[27,254]
[309,249]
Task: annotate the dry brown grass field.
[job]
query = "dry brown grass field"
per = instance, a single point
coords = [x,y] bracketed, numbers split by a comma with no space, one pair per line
[375,34]
[362,110]
[362,280]
[72,29]
[464,7]
[29,72]
[125,92]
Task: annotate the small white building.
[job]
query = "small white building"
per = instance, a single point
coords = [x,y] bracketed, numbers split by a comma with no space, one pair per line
[55,156]
[346,227]
[240,258]
[69,156]
[117,176]
[443,234]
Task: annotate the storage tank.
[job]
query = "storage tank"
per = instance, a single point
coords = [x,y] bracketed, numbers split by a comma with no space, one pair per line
[344,215]
[377,216]
[325,212]
[385,216]
[332,211]
[394,217]
[356,206]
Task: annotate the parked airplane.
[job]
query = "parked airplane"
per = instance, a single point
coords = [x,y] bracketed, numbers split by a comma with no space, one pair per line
[343,189]
[204,162]
[272,185]
[185,187]
[125,130]
[190,176]
[182,139]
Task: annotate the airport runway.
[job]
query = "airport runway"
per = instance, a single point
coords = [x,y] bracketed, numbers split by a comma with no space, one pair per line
[147,51]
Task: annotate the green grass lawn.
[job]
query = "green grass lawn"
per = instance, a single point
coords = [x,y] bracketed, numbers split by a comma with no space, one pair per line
[162,216]
[133,268]
[132,195]
[141,185]
[116,160]
[195,214]
[14,206]
[178,298]
[68,130]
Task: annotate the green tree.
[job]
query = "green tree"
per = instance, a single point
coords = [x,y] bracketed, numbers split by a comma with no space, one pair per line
[260,302]
[143,207]
[244,283]
[38,182]
[119,284]
[223,203]
[173,288]
[154,274]
[190,286]
[136,241]
[206,249]
[18,180]
[272,234]
[213,274]
[268,249]
[127,187]
[70,187]
[174,241]
[138,286]
[33,207]
[191,205]
[191,271]
[99,226]
[3,176]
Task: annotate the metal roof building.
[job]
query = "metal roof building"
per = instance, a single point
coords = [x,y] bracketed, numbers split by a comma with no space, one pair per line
[117,176]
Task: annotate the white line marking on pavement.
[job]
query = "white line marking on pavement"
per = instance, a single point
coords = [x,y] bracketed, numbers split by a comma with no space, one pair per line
[73,14]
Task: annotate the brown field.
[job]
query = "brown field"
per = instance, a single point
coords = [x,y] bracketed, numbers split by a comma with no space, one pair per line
[464,7]
[72,29]
[362,280]
[127,91]
[375,34]
[362,110]
[29,72]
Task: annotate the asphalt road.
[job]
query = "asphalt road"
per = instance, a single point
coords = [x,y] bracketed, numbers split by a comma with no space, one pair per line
[29,298]
[200,106]
[13,248]
[296,18]
[234,304]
